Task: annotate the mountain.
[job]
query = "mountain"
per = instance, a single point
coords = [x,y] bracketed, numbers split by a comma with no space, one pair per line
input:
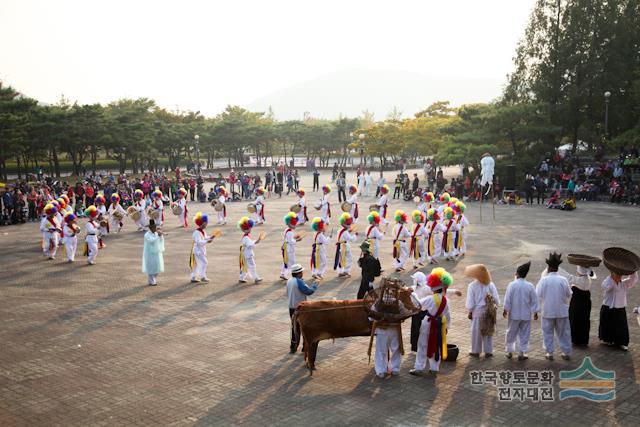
[349,92]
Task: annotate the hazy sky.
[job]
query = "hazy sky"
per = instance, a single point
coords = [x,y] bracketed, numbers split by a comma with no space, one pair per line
[203,55]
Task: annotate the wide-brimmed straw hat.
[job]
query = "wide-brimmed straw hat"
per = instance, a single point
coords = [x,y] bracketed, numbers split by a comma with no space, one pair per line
[478,272]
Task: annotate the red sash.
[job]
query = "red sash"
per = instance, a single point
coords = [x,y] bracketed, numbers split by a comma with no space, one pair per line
[432,345]
[413,239]
[370,230]
[55,225]
[186,224]
[396,252]
[329,209]
[355,212]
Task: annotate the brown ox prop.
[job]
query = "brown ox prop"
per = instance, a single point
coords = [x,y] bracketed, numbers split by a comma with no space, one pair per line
[323,320]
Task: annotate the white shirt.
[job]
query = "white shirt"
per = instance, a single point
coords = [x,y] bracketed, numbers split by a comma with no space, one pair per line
[582,282]
[347,237]
[401,232]
[554,294]
[615,294]
[46,225]
[289,238]
[248,245]
[368,179]
[200,240]
[521,300]
[321,239]
[91,228]
[428,304]
[477,293]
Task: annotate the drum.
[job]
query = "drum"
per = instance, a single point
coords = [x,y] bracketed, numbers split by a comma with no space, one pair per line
[135,215]
[118,215]
[295,208]
[153,213]
[374,208]
[131,210]
[346,206]
[219,207]
[416,200]
[317,206]
[176,209]
[103,223]
[214,202]
[251,208]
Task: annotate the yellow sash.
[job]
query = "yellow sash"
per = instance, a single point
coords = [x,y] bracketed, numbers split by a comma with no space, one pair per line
[192,257]
[243,261]
[438,300]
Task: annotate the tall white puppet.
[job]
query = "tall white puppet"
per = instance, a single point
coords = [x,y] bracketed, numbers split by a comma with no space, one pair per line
[487,165]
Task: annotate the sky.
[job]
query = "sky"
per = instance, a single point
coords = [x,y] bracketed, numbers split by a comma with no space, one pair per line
[204,55]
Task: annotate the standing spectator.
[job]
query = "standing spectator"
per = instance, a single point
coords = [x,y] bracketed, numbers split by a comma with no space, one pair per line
[398,186]
[296,180]
[316,179]
[416,183]
[540,188]
[192,188]
[368,182]
[528,189]
[341,183]
[380,184]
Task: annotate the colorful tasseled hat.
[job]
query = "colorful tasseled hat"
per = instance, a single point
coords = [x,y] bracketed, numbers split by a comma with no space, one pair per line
[384,189]
[55,203]
[200,218]
[317,224]
[400,216]
[448,213]
[61,203]
[291,219]
[69,217]
[260,190]
[373,218]
[100,199]
[417,217]
[222,190]
[65,198]
[50,209]
[115,198]
[460,207]
[138,194]
[91,211]
[345,219]
[301,192]
[353,189]
[439,278]
[326,189]
[428,196]
[452,201]
[444,197]
[156,194]
[245,223]
[432,215]
[182,191]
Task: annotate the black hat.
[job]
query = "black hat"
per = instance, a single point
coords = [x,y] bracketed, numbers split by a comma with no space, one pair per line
[554,260]
[523,270]
[152,222]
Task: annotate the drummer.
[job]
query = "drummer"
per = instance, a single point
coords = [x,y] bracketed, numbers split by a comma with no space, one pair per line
[289,244]
[116,212]
[158,207]
[353,200]
[139,205]
[319,248]
[374,235]
[182,203]
[247,262]
[259,205]
[383,203]
[400,235]
[343,259]
[102,217]
[302,214]
[325,204]
[222,212]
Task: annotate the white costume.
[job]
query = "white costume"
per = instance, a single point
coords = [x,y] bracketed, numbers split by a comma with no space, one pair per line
[343,259]
[319,254]
[70,241]
[520,302]
[49,227]
[102,211]
[288,252]
[259,215]
[433,230]
[92,230]
[361,183]
[400,245]
[302,215]
[419,255]
[116,224]
[182,218]
[476,305]
[222,214]
[353,199]
[325,208]
[158,206]
[384,207]
[429,304]
[199,251]
[554,294]
[388,356]
[487,165]
[449,228]
[247,262]
[460,241]
[374,235]
[143,221]
[368,181]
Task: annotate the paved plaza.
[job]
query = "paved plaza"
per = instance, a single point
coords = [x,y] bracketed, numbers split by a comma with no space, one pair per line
[94,345]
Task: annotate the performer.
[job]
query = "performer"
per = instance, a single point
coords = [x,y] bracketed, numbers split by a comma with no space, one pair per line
[182,202]
[370,267]
[70,239]
[61,210]
[425,205]
[343,259]
[388,349]
[319,248]
[353,199]
[383,203]
[443,203]
[68,208]
[139,204]
[325,207]
[432,343]
[433,229]
[614,329]
[461,222]
[554,292]
[289,245]
[247,262]
[580,304]
[152,259]
[259,205]
[50,228]
[198,259]
[374,235]
[419,255]
[400,235]
[520,303]
[482,302]
[116,223]
[222,214]
[93,232]
[302,215]
[100,201]
[158,206]
[448,228]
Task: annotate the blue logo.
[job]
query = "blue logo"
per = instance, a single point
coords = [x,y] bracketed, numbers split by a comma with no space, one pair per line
[599,386]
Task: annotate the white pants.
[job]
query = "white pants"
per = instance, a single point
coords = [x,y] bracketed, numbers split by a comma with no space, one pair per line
[518,329]
[152,278]
[421,356]
[348,262]
[50,240]
[251,267]
[478,342]
[70,244]
[437,247]
[404,254]
[388,355]
[367,189]
[181,220]
[142,222]
[221,218]
[561,326]
[291,255]
[115,225]
[323,263]
[423,253]
[103,231]
[324,214]
[200,269]
[93,251]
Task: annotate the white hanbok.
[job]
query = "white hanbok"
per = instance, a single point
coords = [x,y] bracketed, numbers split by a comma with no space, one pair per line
[554,295]
[247,261]
[199,251]
[222,214]
[433,244]
[374,236]
[49,227]
[401,234]
[152,258]
[383,207]
[476,305]
[93,230]
[302,215]
[325,208]
[388,356]
[319,254]
[288,252]
[70,241]
[102,211]
[520,302]
[143,221]
[419,254]
[428,304]
[354,212]
[116,224]
[460,238]
[182,218]
[259,215]
[343,260]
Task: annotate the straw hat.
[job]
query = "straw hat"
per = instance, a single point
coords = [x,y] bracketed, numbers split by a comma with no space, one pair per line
[478,272]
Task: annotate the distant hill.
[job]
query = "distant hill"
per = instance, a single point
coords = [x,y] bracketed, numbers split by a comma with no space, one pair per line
[350,92]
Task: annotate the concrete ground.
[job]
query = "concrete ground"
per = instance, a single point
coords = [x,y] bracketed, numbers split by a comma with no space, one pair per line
[95,345]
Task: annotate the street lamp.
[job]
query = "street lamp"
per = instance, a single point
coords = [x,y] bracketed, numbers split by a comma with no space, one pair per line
[197,138]
[361,138]
[607,95]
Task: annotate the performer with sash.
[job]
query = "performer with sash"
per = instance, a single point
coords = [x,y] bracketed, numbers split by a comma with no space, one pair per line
[319,248]
[222,198]
[140,205]
[70,239]
[182,202]
[325,204]
[400,236]
[50,228]
[247,262]
[259,202]
[417,251]
[383,203]
[433,228]
[432,342]
[448,228]
[343,260]
[374,235]
[116,223]
[353,199]
[158,206]
[100,202]
[93,233]
[198,258]
[461,222]
[289,245]
[302,215]
[425,205]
